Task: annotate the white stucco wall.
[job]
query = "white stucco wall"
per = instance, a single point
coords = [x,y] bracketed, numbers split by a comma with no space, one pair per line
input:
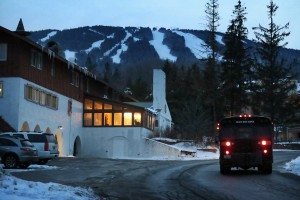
[117,142]
[159,100]
[16,110]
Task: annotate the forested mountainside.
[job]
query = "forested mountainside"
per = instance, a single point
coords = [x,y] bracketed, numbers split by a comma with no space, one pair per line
[135,51]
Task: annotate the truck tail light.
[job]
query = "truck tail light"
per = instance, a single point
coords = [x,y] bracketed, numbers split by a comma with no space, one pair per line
[226,143]
[265,142]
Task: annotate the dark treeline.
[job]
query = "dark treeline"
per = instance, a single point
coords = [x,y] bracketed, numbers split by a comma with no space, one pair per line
[255,80]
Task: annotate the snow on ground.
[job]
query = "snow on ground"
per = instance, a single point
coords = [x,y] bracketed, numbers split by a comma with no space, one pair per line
[51,34]
[162,50]
[14,188]
[293,166]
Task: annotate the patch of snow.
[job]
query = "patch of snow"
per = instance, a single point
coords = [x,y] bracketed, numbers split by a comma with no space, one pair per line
[219,39]
[162,50]
[51,34]
[195,44]
[70,55]
[96,32]
[96,44]
[116,58]
[111,36]
[293,166]
[13,188]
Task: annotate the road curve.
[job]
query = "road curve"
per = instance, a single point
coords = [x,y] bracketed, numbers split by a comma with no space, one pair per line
[137,179]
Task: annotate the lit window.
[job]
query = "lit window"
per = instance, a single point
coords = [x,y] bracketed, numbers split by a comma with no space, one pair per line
[107,119]
[1,88]
[137,117]
[97,119]
[87,121]
[88,104]
[117,119]
[97,105]
[127,119]
[3,51]
[107,106]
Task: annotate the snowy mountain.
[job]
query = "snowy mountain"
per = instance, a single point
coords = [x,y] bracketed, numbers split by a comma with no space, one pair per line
[134,46]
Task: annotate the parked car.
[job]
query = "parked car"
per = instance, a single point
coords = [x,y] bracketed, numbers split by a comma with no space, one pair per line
[45,143]
[17,152]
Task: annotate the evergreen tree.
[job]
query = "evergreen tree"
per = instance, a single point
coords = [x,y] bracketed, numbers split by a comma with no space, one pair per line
[212,17]
[107,73]
[272,72]
[235,65]
[211,81]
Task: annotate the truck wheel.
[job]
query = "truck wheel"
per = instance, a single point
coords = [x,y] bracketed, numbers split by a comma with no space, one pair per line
[224,169]
[266,168]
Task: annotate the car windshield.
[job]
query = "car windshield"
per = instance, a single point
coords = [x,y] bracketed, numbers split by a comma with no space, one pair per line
[26,143]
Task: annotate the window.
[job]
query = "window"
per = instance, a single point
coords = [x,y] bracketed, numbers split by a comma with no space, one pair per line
[118,119]
[3,51]
[98,105]
[40,97]
[97,119]
[69,107]
[88,104]
[87,119]
[75,78]
[35,95]
[107,119]
[1,88]
[127,119]
[137,117]
[36,59]
[103,113]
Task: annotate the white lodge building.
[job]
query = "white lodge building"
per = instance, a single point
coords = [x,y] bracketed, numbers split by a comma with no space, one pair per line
[41,91]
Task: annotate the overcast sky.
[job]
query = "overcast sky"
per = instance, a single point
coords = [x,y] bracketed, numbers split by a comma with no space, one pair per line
[183,14]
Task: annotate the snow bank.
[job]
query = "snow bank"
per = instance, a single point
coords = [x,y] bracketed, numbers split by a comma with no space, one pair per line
[293,166]
[13,188]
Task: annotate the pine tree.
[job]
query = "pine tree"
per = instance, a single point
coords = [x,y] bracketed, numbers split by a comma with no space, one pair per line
[211,81]
[235,63]
[212,17]
[272,72]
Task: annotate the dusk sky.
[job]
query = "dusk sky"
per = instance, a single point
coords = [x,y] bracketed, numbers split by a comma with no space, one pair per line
[188,14]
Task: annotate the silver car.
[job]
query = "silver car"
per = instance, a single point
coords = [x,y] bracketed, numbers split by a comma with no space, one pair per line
[17,152]
[45,143]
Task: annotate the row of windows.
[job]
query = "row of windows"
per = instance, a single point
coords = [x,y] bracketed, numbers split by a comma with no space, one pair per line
[99,113]
[41,97]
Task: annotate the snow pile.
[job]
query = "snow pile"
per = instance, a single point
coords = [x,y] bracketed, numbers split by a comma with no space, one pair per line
[293,166]
[14,188]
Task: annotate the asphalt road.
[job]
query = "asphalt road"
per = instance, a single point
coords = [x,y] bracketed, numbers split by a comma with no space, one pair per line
[135,179]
